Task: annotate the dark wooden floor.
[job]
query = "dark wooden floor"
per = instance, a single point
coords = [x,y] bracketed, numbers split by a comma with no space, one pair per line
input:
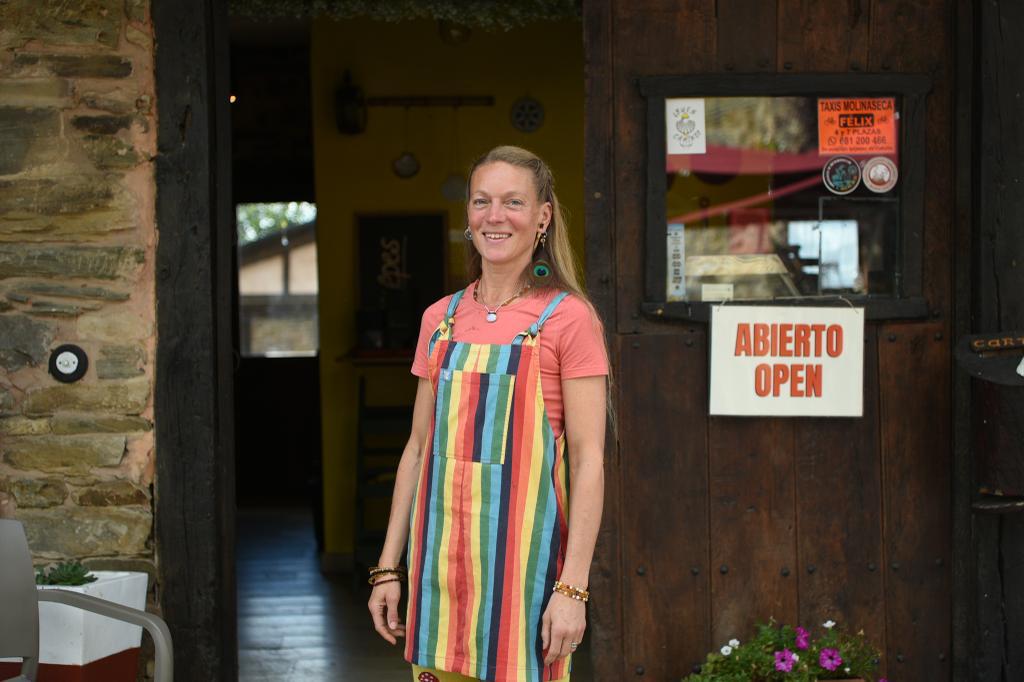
[294,623]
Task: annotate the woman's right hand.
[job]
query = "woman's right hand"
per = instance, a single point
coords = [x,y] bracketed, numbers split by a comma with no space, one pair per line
[383,607]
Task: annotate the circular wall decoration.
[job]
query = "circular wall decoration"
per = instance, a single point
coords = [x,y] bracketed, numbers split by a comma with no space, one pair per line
[527,115]
[68,363]
[841,175]
[406,165]
[880,174]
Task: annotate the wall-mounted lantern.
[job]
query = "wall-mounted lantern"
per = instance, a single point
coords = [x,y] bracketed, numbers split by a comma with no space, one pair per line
[349,107]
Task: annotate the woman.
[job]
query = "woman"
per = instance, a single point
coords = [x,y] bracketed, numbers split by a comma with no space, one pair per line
[497,572]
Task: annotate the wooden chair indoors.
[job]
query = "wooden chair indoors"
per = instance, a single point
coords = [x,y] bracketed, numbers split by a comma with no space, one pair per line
[381,434]
[19,616]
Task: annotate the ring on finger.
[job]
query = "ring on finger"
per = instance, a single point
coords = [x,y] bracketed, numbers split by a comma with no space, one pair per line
[573,645]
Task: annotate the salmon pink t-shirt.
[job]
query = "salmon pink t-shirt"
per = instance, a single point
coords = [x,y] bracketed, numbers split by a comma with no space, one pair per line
[571,342]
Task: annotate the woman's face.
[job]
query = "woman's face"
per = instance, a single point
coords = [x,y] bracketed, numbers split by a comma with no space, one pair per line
[504,213]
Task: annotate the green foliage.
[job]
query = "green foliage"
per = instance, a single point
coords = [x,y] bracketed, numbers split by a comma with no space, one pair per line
[256,221]
[65,573]
[757,660]
[486,14]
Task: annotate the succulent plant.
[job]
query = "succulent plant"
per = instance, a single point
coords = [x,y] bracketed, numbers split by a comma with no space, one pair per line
[64,573]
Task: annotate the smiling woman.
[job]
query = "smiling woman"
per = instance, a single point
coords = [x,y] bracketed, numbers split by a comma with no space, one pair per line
[506,218]
[510,408]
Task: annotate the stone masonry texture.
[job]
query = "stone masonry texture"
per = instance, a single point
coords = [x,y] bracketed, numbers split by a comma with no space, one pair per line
[77,247]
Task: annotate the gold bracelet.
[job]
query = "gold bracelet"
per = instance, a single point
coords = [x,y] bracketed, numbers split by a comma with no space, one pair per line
[571,592]
[374,570]
[381,571]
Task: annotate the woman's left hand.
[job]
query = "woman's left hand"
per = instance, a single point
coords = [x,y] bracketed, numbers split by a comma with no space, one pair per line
[563,624]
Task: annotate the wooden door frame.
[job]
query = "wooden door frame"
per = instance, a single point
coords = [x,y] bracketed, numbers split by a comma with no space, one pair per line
[964,571]
[193,395]
[606,627]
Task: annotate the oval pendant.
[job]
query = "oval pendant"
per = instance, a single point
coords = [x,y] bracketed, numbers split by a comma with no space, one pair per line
[492,317]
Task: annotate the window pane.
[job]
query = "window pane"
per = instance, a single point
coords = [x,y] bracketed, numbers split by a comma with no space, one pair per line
[781,197]
[277,279]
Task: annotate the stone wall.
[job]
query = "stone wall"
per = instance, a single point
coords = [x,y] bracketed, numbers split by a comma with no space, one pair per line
[77,240]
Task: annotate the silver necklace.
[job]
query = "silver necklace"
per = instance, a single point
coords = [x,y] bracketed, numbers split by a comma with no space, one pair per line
[492,315]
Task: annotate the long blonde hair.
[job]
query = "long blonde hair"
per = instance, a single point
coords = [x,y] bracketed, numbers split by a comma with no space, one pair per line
[557,251]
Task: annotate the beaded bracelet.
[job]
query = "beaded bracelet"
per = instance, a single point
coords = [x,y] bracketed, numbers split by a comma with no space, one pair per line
[571,592]
[386,569]
[377,572]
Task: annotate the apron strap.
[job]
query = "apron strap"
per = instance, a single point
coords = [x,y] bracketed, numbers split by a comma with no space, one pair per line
[539,324]
[449,316]
[447,322]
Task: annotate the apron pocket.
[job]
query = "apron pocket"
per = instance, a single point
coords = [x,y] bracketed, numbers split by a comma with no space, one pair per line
[472,415]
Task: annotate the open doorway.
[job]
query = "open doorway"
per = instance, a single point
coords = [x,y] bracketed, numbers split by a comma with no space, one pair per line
[351,141]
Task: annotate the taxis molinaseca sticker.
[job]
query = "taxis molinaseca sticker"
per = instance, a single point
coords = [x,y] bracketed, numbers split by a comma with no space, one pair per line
[857,125]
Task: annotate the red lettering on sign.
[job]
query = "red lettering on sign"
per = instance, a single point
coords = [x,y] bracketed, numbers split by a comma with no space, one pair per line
[834,340]
[762,380]
[742,340]
[801,334]
[780,375]
[818,329]
[788,340]
[796,384]
[785,340]
[813,381]
[804,380]
[760,339]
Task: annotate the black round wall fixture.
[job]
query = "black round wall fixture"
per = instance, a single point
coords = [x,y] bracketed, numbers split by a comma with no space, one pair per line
[527,115]
[68,363]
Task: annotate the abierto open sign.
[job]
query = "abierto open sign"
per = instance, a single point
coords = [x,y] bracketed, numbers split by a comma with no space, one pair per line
[787,361]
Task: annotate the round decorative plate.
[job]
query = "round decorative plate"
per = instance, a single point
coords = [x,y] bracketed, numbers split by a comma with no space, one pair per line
[527,115]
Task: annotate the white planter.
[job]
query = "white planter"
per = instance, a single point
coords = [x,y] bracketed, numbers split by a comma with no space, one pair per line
[70,636]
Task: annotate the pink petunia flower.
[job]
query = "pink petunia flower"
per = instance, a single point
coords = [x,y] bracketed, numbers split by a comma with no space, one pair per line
[803,638]
[830,659]
[784,660]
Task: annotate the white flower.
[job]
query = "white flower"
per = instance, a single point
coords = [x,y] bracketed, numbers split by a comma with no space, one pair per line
[726,650]
[734,643]
[796,658]
[829,624]
[846,670]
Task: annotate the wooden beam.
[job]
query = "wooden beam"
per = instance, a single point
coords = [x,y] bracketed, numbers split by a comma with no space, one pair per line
[997,304]
[964,564]
[193,397]
[599,210]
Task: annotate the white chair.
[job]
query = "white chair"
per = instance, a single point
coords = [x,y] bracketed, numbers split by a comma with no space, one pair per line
[19,616]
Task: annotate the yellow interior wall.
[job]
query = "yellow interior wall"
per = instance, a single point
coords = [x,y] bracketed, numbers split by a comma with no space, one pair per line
[353,176]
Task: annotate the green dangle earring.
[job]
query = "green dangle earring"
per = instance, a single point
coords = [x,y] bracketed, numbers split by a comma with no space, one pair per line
[541,268]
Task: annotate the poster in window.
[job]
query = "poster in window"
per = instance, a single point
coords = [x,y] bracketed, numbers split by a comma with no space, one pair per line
[685,132]
[864,125]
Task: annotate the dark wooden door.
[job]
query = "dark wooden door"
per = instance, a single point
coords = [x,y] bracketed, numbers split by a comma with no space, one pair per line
[713,524]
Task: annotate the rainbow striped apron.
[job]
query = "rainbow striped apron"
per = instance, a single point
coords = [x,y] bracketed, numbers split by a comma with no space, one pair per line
[488,525]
